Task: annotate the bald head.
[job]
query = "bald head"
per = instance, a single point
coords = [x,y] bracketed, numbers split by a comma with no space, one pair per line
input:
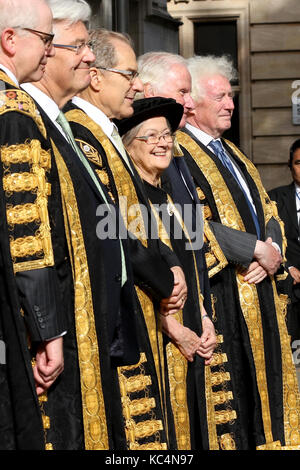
[26,13]
[23,46]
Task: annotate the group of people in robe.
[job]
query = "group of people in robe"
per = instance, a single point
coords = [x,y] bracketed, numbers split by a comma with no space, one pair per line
[141,258]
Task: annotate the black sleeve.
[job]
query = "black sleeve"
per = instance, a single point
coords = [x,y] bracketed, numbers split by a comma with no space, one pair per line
[42,303]
[150,270]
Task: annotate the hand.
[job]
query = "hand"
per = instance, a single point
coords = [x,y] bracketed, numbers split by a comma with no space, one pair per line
[208,340]
[255,273]
[185,339]
[295,273]
[178,296]
[49,364]
[267,256]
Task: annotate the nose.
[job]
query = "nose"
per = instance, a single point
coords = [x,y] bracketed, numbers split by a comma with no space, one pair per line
[50,51]
[189,103]
[137,85]
[229,104]
[89,56]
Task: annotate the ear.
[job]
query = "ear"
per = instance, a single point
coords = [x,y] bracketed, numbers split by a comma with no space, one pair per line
[96,79]
[148,90]
[8,41]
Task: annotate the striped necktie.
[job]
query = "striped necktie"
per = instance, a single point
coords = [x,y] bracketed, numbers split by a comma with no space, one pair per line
[222,155]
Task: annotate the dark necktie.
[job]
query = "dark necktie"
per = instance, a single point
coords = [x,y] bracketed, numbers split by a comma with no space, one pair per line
[222,155]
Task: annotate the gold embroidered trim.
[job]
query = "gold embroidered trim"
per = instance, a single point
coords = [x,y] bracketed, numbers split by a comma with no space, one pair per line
[217,378]
[230,217]
[91,153]
[22,153]
[221,397]
[19,101]
[94,415]
[27,246]
[22,214]
[218,358]
[125,187]
[134,384]
[223,417]
[291,396]
[220,339]
[136,431]
[150,446]
[141,406]
[215,259]
[210,410]
[227,442]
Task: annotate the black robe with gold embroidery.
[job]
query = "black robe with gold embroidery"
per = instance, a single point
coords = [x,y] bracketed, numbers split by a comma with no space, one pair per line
[250,317]
[49,270]
[151,260]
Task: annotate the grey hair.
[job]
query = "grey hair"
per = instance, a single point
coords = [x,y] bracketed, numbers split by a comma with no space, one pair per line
[153,68]
[206,66]
[131,134]
[70,11]
[25,14]
[103,47]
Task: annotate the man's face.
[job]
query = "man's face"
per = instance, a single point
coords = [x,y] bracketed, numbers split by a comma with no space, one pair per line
[117,90]
[178,86]
[31,56]
[214,111]
[295,167]
[69,71]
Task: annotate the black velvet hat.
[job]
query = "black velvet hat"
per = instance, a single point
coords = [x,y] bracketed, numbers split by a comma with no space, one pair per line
[147,108]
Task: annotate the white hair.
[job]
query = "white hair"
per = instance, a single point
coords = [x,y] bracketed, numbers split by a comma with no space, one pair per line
[70,11]
[153,68]
[206,66]
[19,14]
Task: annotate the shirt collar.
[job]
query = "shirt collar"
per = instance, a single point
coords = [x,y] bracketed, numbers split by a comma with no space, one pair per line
[46,103]
[204,138]
[95,114]
[10,75]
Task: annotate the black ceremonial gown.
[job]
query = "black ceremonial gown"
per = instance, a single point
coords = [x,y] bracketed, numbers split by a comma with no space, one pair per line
[198,386]
[150,426]
[251,318]
[51,284]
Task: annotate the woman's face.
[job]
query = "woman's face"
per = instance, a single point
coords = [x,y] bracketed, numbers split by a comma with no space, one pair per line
[151,159]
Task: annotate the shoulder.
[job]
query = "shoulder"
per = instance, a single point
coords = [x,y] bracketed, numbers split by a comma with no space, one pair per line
[22,105]
[280,191]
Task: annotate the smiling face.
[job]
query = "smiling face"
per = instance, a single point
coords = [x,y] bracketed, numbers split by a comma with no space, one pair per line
[69,72]
[151,159]
[117,90]
[213,111]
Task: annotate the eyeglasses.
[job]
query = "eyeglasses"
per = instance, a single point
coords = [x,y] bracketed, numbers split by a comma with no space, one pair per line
[47,38]
[78,49]
[154,139]
[130,74]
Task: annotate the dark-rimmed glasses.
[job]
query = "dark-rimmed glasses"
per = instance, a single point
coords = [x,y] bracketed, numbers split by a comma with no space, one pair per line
[47,38]
[130,74]
[78,48]
[154,139]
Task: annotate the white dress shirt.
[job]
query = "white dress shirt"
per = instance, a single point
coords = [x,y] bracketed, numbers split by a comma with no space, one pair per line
[205,139]
[46,103]
[10,74]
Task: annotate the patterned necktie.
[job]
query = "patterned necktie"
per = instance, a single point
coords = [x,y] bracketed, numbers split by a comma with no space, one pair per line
[63,122]
[222,155]
[120,146]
